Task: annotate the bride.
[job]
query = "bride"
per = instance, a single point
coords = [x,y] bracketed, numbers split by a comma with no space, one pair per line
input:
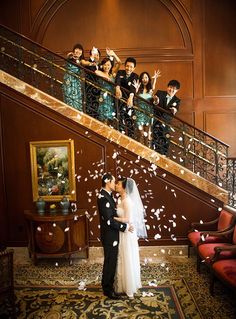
[130,210]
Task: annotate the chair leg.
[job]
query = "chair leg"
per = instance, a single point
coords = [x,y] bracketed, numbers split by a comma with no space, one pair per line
[13,305]
[189,250]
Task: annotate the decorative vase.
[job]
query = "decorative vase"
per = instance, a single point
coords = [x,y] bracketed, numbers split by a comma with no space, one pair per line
[40,205]
[65,204]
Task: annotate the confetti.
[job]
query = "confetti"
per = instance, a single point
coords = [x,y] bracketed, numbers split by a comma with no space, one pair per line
[157,236]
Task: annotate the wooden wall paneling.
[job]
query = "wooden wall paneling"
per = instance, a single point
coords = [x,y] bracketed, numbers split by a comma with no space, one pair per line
[222,126]
[3,208]
[10,17]
[87,22]
[220,48]
[89,154]
[25,120]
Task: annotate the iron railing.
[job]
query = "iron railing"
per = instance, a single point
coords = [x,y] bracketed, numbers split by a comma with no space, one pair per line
[231,180]
[183,143]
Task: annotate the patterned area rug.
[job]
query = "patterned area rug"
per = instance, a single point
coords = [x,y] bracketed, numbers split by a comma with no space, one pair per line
[150,302]
[171,289]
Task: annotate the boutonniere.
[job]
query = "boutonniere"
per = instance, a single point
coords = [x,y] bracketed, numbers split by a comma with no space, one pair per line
[174,104]
[121,76]
[129,83]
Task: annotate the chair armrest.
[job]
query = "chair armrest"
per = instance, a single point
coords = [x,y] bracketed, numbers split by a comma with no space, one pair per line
[219,234]
[220,249]
[202,225]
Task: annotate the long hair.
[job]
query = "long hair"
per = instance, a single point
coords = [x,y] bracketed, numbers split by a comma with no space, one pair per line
[79,46]
[123,181]
[149,84]
[105,60]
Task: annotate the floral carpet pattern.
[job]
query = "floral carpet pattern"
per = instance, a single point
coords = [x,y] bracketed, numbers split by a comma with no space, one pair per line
[155,302]
[171,289]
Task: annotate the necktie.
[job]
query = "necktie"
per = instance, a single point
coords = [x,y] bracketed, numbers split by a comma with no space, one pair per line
[168,98]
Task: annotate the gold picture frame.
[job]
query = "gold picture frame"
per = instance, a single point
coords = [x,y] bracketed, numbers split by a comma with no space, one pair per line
[53,170]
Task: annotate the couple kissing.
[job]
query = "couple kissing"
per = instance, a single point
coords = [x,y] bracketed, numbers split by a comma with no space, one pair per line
[121,226]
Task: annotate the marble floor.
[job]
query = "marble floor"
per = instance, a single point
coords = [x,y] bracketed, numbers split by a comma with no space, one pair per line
[148,254]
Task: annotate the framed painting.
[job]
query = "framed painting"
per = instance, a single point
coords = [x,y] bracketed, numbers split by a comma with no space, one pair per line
[53,170]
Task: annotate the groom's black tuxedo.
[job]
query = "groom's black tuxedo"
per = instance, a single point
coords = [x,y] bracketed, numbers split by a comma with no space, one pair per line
[109,237]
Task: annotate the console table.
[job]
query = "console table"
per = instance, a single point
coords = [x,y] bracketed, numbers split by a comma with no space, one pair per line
[57,235]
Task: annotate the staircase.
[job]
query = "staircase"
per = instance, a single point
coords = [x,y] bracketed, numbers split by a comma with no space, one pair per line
[194,157]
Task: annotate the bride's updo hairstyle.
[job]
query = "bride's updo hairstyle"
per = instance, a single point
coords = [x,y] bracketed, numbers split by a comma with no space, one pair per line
[123,181]
[127,184]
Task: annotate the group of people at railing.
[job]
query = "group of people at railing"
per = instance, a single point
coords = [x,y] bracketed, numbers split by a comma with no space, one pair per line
[121,98]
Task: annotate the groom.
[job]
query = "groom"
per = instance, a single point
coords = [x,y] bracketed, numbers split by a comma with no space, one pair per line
[109,233]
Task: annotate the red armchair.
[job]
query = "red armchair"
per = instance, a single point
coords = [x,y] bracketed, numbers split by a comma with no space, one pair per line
[223,269]
[206,252]
[224,222]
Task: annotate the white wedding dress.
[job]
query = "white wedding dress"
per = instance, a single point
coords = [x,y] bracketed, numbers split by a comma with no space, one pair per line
[128,278]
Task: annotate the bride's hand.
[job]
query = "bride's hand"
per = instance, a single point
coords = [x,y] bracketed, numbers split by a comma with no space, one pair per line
[131,228]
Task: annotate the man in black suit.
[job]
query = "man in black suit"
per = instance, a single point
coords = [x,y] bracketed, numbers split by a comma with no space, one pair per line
[125,87]
[168,101]
[109,229]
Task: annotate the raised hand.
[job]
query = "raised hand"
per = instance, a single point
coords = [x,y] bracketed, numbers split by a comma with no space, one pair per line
[110,52]
[157,74]
[136,84]
[94,51]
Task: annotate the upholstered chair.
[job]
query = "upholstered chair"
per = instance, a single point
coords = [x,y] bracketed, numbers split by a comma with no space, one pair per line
[198,231]
[7,297]
[223,269]
[206,252]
